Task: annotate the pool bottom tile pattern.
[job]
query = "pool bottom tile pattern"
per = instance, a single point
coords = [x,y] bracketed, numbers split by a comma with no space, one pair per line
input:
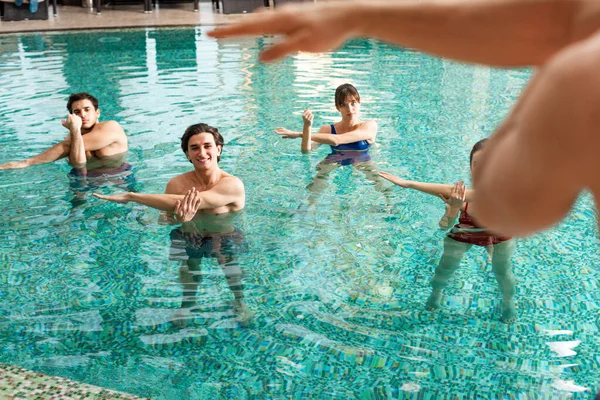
[19,383]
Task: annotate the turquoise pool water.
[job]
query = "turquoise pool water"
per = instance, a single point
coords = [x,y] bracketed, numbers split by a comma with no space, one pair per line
[88,291]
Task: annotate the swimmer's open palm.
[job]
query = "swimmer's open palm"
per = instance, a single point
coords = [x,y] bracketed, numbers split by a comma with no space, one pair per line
[312,28]
[186,209]
[457,196]
[287,134]
[122,198]
[14,165]
[394,179]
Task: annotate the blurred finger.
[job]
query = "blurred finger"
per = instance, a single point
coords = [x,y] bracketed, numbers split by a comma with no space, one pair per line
[292,44]
[257,24]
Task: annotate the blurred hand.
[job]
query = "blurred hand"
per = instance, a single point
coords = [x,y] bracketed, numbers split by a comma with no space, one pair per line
[305,27]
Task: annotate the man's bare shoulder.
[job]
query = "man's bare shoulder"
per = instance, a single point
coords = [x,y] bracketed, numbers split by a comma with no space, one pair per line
[180,183]
[232,182]
[112,126]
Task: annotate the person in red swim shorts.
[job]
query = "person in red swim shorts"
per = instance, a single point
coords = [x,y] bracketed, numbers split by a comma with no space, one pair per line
[465,234]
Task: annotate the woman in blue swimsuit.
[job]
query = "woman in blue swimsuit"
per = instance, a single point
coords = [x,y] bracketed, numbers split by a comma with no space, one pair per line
[350,140]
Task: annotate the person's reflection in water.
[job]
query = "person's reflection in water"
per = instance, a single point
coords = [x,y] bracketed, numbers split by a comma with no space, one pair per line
[212,237]
[109,171]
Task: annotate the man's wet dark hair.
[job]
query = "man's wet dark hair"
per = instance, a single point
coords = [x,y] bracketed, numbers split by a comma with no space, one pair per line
[476,147]
[81,96]
[198,129]
[342,93]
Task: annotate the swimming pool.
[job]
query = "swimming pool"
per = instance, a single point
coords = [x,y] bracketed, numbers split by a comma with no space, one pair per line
[88,290]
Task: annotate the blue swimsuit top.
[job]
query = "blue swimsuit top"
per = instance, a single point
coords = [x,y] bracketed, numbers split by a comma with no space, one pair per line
[361,145]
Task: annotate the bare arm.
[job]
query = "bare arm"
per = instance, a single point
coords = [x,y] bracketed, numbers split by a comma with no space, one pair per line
[308,144]
[449,217]
[108,134]
[494,32]
[163,202]
[307,117]
[228,191]
[438,189]
[56,152]
[454,204]
[366,132]
[77,158]
[434,189]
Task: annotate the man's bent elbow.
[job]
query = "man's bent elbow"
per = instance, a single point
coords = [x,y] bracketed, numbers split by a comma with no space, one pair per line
[77,165]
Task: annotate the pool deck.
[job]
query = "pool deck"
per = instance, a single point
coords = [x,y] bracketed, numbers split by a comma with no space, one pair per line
[19,383]
[122,16]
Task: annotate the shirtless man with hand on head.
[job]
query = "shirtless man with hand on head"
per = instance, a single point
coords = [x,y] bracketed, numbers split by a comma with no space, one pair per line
[90,144]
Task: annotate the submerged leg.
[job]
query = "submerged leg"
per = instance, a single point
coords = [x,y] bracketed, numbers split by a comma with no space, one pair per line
[234,275]
[79,186]
[190,278]
[502,267]
[449,263]
[319,183]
